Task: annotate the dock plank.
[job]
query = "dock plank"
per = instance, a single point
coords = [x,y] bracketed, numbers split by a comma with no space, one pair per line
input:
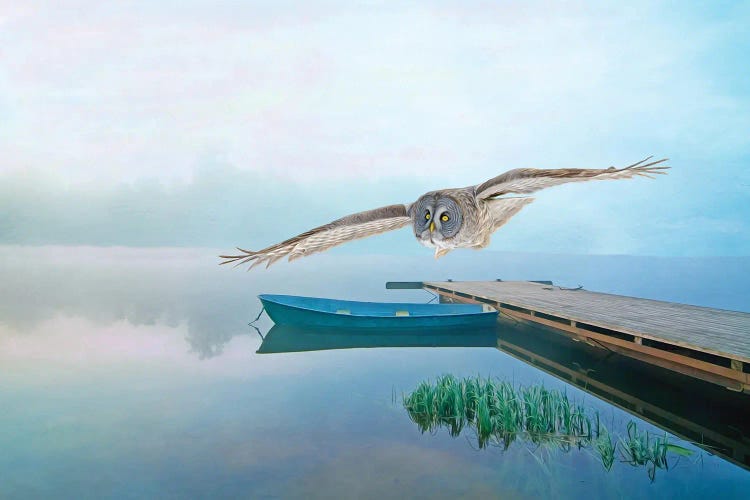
[715,331]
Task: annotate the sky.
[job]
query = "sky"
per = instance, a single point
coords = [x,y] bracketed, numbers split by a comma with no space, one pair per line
[228,123]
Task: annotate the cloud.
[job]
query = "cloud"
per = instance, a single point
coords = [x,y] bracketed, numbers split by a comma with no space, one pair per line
[342,92]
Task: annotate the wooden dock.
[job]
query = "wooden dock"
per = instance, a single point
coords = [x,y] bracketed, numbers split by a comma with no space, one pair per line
[709,344]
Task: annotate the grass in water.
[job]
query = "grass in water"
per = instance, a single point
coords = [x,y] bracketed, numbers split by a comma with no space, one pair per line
[643,449]
[500,414]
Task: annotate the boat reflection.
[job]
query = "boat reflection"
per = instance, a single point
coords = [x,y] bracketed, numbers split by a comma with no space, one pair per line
[283,338]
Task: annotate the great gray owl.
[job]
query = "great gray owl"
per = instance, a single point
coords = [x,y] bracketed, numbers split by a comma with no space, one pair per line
[444,219]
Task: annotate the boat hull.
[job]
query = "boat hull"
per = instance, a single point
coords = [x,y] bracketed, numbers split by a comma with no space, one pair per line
[329,313]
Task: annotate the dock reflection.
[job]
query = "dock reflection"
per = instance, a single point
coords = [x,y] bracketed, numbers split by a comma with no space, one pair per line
[712,417]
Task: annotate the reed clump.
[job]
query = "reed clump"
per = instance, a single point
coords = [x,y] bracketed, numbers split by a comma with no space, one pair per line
[500,414]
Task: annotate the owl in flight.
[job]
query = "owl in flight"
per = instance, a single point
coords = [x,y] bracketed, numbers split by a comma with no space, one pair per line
[444,219]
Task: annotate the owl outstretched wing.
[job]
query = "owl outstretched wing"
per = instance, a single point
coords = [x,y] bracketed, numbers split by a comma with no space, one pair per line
[528,180]
[351,227]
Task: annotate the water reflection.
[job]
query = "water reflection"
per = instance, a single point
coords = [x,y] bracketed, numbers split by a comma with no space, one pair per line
[133,372]
[710,417]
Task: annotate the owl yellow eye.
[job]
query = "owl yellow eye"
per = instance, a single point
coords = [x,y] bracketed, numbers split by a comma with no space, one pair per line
[444,218]
[427,216]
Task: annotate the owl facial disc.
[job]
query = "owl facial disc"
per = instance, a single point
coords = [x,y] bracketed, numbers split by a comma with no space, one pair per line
[436,219]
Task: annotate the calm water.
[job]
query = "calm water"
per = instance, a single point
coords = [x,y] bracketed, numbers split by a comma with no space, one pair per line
[132,373]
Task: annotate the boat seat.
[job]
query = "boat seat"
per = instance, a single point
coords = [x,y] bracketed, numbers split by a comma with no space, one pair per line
[402,313]
[343,311]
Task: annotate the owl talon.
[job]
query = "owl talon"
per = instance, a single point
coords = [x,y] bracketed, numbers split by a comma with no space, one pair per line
[439,252]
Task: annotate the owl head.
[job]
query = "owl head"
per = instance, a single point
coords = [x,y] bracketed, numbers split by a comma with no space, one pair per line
[436,217]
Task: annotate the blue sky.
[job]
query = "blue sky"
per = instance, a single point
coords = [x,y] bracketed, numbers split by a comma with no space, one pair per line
[242,123]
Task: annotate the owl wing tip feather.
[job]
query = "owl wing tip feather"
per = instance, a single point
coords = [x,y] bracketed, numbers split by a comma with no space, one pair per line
[648,167]
[238,260]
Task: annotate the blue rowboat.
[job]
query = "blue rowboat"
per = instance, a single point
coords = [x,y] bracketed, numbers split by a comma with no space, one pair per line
[330,313]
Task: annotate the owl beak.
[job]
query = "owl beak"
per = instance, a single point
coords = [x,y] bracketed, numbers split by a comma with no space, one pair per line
[432,226]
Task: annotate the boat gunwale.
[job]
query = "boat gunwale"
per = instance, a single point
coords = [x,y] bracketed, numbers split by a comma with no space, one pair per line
[263,297]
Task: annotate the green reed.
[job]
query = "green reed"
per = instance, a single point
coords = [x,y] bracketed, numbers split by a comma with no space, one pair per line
[643,449]
[500,414]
